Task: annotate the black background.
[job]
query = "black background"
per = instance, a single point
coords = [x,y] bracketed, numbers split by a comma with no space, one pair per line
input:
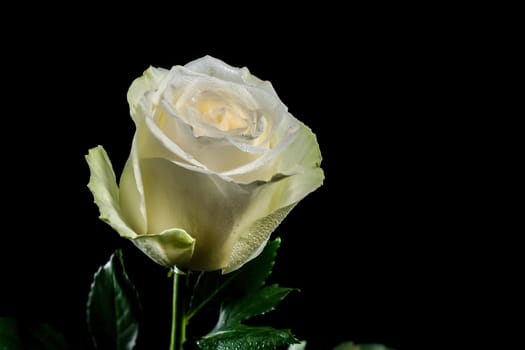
[370,250]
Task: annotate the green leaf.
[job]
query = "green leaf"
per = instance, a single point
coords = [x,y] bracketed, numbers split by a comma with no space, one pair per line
[113,307]
[243,295]
[18,334]
[244,337]
[253,275]
[206,290]
[212,287]
[352,346]
[253,304]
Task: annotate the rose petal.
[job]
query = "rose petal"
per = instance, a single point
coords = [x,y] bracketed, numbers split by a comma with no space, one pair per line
[132,193]
[203,205]
[268,207]
[210,66]
[173,247]
[103,185]
[303,153]
[150,80]
[168,248]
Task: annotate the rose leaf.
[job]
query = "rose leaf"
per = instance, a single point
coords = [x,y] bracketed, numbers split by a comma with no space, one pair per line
[113,307]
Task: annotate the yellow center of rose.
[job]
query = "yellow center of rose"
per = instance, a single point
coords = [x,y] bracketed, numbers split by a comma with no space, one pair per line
[225,113]
[221,116]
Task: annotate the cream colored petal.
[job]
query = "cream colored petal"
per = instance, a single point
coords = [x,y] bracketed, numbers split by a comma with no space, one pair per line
[103,185]
[131,193]
[302,153]
[296,152]
[252,80]
[203,205]
[214,67]
[152,143]
[262,168]
[268,207]
[172,247]
[149,81]
[159,144]
[252,243]
[218,158]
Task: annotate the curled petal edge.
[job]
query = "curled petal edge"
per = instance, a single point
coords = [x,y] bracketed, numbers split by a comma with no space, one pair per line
[168,248]
[103,186]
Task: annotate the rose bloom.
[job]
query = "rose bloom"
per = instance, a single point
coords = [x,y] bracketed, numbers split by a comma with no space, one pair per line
[216,164]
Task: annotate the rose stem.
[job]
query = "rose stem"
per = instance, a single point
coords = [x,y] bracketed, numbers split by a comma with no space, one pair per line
[178,322]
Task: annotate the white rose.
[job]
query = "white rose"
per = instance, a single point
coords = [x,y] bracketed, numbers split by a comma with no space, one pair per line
[216,164]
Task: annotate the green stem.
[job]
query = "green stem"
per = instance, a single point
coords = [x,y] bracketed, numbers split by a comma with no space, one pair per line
[178,322]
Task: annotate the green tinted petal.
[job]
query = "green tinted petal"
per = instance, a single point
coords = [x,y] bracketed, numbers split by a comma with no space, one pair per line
[298,174]
[203,205]
[131,191]
[254,240]
[303,152]
[269,206]
[103,185]
[173,247]
[148,81]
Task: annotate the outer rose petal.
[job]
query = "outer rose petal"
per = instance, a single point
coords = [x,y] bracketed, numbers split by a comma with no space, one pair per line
[170,247]
[202,204]
[268,207]
[274,200]
[131,194]
[103,185]
[302,153]
[150,80]
[213,67]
